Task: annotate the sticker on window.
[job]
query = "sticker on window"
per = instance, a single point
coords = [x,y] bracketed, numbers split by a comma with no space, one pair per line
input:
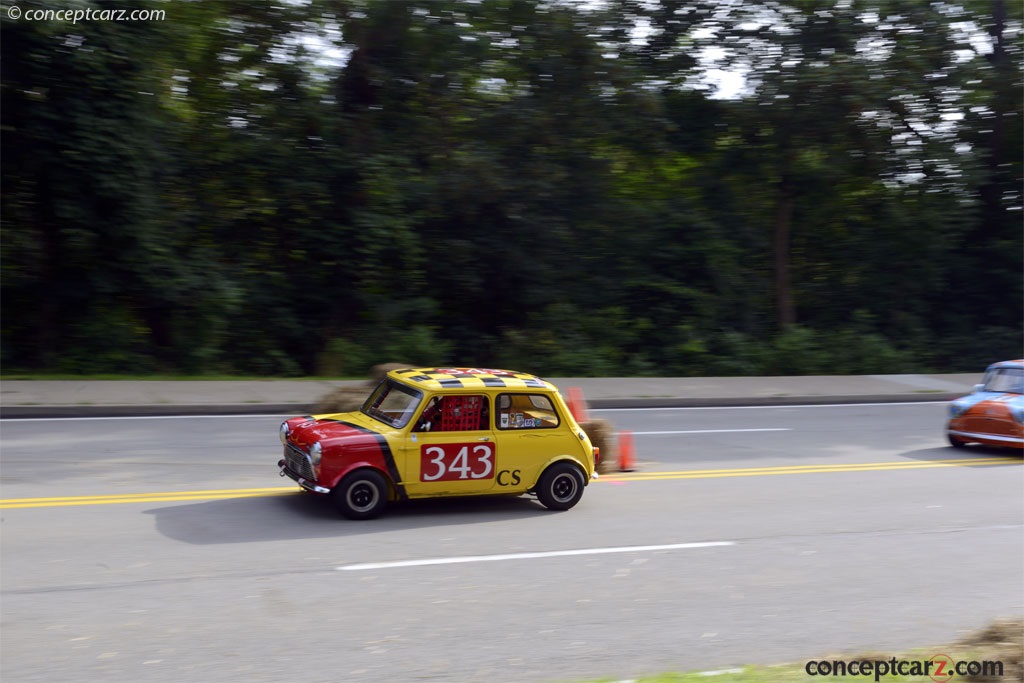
[526,411]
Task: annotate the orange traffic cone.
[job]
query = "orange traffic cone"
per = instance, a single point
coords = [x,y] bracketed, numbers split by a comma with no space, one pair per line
[578,406]
[627,456]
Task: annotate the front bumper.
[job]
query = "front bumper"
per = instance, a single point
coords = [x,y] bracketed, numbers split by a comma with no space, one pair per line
[300,480]
[995,439]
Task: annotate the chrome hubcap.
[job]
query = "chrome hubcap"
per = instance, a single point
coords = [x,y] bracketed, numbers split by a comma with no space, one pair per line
[362,496]
[564,487]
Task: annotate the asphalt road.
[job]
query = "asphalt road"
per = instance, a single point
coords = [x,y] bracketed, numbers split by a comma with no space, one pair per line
[748,535]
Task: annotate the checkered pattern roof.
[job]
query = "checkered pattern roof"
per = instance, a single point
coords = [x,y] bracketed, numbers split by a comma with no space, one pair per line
[470,378]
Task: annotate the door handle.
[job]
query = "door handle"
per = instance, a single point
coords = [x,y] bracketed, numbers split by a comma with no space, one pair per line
[484,438]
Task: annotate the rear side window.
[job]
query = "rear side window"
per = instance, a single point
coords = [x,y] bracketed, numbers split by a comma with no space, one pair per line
[526,411]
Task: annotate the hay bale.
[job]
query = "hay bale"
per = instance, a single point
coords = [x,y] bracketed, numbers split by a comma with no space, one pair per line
[349,397]
[378,372]
[344,399]
[602,435]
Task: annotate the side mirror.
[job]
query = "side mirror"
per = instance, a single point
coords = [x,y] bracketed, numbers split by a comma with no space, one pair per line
[977,388]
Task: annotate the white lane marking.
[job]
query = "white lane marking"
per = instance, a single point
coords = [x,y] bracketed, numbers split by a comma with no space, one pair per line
[529,556]
[772,407]
[717,431]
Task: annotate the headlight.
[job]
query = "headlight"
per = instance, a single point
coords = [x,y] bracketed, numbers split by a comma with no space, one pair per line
[956,409]
[315,452]
[284,432]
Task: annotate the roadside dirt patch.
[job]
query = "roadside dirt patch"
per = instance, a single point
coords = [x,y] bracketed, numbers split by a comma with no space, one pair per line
[1002,641]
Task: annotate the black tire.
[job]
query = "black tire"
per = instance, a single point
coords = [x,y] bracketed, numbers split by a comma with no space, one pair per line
[361,495]
[561,486]
[956,441]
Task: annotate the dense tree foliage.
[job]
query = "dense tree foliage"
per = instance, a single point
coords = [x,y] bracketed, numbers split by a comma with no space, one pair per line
[291,188]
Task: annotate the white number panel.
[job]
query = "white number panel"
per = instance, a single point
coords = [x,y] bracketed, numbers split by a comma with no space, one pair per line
[457,461]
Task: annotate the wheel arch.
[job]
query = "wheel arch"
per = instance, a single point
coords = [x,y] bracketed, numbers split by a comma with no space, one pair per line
[393,491]
[554,461]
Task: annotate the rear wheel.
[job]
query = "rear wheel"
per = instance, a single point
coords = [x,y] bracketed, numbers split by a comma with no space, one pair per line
[361,495]
[561,486]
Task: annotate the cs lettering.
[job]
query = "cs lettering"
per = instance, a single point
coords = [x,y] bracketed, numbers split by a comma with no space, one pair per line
[506,478]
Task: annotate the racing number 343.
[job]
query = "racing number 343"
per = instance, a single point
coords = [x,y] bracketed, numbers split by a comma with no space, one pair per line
[455,461]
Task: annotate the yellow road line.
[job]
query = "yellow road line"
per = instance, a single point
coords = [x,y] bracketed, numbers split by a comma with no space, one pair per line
[170,496]
[223,494]
[804,469]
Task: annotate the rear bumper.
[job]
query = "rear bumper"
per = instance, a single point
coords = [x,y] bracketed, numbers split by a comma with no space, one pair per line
[301,481]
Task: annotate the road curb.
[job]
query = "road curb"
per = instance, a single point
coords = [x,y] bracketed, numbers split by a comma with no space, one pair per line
[622,403]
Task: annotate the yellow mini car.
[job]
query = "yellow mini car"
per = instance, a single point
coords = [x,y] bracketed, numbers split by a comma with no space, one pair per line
[434,432]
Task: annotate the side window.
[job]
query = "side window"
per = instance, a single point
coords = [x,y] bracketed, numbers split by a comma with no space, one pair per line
[454,414]
[526,411]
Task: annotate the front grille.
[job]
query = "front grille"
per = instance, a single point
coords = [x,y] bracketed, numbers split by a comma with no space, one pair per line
[298,462]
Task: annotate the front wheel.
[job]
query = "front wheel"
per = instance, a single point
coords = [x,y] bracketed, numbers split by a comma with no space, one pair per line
[361,495]
[955,441]
[561,486]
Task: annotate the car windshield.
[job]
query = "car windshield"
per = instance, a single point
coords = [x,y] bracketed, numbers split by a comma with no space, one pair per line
[392,403]
[1007,380]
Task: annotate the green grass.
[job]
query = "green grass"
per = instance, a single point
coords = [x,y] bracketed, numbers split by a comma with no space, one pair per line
[749,674]
[796,672]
